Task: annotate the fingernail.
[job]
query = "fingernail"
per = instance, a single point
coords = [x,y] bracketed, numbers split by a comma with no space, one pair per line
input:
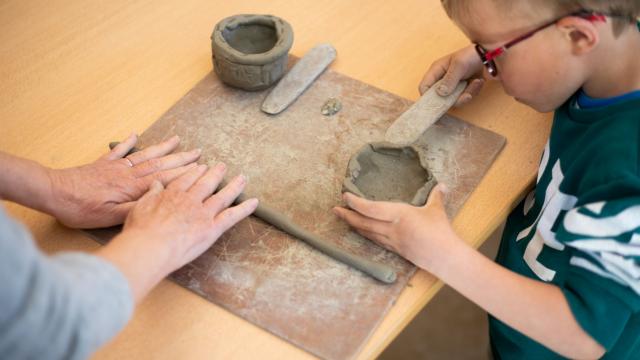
[175,137]
[196,151]
[253,201]
[222,166]
[443,90]
[242,179]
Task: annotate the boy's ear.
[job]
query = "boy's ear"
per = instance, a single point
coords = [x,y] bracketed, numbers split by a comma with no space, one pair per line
[582,34]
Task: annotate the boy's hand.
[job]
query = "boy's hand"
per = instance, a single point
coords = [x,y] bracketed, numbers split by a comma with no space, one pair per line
[101,194]
[463,64]
[415,233]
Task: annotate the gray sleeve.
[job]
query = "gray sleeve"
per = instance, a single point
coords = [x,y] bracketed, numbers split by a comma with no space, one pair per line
[60,307]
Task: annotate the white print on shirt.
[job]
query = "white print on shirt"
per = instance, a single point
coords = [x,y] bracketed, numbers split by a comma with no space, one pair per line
[554,203]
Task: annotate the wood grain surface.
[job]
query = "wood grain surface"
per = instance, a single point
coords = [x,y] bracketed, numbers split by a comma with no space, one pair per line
[75,75]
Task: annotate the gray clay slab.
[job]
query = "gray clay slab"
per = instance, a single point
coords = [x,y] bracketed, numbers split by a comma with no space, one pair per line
[299,78]
[296,162]
[429,108]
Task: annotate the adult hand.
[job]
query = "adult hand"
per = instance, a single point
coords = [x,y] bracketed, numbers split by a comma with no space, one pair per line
[102,193]
[463,64]
[415,233]
[170,227]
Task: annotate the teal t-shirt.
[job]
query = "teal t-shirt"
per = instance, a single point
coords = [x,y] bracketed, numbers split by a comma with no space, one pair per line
[580,228]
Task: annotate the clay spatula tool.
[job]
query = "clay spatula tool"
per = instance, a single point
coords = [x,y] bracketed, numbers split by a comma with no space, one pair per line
[421,115]
[299,78]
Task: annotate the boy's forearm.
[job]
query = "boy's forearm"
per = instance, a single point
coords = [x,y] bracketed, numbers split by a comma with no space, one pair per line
[537,309]
[25,182]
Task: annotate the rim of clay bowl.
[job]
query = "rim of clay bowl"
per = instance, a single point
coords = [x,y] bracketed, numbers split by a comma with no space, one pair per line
[284,33]
[353,171]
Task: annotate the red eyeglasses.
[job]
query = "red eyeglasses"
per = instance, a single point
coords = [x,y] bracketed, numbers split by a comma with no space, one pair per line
[488,57]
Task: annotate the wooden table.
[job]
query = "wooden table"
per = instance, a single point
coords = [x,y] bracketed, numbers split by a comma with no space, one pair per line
[75,75]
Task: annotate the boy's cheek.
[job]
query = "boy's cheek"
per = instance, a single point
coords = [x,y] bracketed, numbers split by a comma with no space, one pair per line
[542,92]
[530,84]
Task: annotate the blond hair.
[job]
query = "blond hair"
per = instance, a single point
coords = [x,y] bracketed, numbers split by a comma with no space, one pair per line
[626,11]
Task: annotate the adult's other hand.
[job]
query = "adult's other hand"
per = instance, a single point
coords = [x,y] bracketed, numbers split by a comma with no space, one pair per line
[101,194]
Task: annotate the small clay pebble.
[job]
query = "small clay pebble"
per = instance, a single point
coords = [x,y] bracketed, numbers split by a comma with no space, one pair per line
[331,107]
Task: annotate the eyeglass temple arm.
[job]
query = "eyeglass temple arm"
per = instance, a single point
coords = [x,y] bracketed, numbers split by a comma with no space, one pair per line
[588,15]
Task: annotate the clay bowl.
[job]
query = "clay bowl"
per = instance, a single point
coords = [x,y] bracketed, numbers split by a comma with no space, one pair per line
[387,172]
[250,52]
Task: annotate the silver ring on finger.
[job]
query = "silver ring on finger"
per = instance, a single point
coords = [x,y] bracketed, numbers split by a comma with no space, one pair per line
[129,162]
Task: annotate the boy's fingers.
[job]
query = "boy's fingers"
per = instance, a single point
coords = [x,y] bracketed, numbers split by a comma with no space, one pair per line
[154,151]
[455,73]
[463,100]
[474,87]
[433,75]
[360,222]
[226,196]
[462,64]
[186,180]
[436,198]
[208,183]
[472,90]
[231,216]
[372,209]
[123,148]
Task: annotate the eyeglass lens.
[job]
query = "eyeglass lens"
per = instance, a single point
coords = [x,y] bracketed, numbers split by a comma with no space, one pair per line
[489,64]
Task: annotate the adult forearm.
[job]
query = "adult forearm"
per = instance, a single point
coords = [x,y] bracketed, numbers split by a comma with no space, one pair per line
[59,307]
[143,261]
[537,309]
[25,182]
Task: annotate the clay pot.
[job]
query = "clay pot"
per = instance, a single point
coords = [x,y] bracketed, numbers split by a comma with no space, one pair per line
[250,52]
[388,172]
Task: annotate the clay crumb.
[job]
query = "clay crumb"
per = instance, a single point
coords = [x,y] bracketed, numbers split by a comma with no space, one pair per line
[331,107]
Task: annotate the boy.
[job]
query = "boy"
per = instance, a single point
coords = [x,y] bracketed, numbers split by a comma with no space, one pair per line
[567,278]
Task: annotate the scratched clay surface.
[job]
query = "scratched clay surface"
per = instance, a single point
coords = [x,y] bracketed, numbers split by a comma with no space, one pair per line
[296,162]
